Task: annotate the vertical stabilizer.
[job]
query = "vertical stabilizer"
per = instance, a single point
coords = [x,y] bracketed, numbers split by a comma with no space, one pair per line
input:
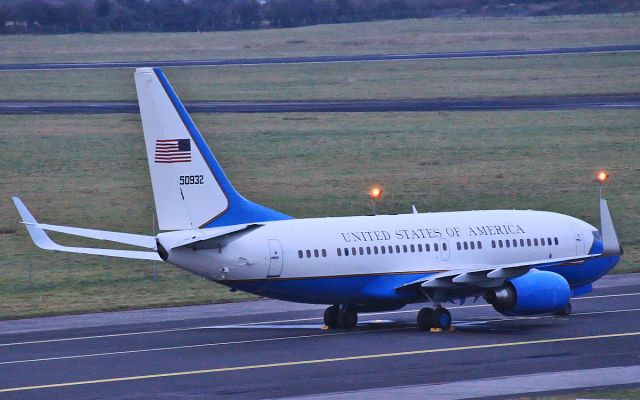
[190,188]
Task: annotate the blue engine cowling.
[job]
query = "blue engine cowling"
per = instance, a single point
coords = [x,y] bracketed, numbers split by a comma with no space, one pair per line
[536,292]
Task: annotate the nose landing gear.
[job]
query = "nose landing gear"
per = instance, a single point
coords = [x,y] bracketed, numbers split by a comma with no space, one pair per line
[341,316]
[429,318]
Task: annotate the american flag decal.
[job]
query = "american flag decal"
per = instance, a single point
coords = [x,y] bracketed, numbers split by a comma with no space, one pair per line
[173,151]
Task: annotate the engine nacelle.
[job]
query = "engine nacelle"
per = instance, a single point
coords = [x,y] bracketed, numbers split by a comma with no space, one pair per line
[536,292]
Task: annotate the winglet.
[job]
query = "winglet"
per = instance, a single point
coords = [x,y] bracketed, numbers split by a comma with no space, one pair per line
[610,244]
[39,237]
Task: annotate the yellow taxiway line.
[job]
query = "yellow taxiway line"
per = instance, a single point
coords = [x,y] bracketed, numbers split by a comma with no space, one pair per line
[317,361]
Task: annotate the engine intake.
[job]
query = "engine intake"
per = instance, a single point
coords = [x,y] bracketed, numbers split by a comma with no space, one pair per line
[536,292]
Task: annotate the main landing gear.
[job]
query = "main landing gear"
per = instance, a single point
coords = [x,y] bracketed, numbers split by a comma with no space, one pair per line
[341,316]
[429,318]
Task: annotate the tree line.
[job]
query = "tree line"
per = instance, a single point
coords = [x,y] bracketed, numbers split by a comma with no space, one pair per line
[69,16]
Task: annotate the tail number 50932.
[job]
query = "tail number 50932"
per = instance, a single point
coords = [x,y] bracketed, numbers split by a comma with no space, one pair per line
[191,179]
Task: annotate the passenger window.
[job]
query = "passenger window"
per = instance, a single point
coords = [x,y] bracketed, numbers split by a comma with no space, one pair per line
[354,251]
[361,251]
[515,243]
[316,253]
[427,248]
[529,242]
[479,245]
[555,240]
[507,243]
[521,242]
[472,245]
[346,251]
[500,243]
[368,250]
[324,253]
[382,249]
[412,248]
[390,249]
[339,252]
[459,246]
[493,244]
[535,242]
[300,254]
[542,242]
[420,247]
[444,246]
[404,248]
[549,241]
[435,247]
[308,253]
[397,248]
[465,245]
[375,249]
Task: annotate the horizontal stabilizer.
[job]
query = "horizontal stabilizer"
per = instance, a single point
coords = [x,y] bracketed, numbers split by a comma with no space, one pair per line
[217,237]
[43,241]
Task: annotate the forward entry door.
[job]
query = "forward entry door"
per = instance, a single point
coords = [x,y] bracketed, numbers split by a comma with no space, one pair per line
[275,258]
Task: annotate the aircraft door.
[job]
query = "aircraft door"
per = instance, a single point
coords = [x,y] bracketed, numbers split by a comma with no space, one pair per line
[275,258]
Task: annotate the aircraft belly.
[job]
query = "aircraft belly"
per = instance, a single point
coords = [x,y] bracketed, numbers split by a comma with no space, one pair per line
[366,289]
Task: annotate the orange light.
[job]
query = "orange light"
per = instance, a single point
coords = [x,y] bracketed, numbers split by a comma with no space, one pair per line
[602,176]
[375,192]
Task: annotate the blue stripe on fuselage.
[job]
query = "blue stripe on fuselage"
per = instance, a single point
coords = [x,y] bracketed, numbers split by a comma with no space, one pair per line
[381,289]
[364,289]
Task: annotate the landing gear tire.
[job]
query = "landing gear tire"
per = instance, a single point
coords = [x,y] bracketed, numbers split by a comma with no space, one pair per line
[424,319]
[564,311]
[347,317]
[331,316]
[441,318]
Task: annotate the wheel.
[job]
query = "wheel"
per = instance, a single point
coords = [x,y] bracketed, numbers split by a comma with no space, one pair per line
[347,317]
[441,318]
[564,311]
[331,316]
[424,319]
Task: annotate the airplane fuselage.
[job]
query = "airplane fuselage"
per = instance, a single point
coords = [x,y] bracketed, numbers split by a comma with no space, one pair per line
[363,260]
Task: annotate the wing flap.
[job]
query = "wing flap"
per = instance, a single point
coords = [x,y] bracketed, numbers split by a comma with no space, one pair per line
[486,276]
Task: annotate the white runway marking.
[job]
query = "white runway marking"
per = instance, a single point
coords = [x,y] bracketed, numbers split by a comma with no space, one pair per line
[171,330]
[310,326]
[193,346]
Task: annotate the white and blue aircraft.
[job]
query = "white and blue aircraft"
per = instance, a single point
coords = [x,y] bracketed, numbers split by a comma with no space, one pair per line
[522,262]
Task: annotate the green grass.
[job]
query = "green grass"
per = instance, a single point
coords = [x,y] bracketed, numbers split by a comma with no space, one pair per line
[531,76]
[418,35]
[91,171]
[614,394]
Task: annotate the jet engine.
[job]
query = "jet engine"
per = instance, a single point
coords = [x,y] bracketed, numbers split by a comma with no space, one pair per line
[536,292]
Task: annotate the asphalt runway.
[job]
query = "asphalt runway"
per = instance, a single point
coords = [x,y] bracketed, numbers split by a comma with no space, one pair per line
[272,349]
[326,59]
[418,105]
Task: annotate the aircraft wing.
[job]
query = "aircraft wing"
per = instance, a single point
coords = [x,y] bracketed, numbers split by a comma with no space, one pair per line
[42,240]
[489,275]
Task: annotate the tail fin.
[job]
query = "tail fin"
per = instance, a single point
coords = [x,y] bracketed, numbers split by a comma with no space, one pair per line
[190,188]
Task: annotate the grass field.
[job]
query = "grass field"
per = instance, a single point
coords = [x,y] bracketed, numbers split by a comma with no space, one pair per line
[417,35]
[535,76]
[91,170]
